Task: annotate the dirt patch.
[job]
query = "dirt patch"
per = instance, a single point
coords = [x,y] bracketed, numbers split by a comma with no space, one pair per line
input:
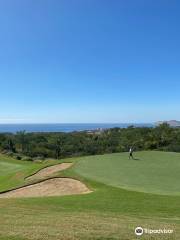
[50,187]
[48,171]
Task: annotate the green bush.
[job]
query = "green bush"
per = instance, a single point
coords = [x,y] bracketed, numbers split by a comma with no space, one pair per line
[27,159]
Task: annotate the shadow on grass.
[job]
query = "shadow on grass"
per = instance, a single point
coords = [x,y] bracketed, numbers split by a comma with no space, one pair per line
[136,159]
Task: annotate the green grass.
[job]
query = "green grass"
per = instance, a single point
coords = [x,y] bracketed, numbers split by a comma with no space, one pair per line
[13,172]
[110,212]
[153,172]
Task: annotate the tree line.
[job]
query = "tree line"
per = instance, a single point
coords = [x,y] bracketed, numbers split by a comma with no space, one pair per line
[29,146]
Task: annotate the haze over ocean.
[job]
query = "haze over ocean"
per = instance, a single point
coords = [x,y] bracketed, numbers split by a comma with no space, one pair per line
[64,127]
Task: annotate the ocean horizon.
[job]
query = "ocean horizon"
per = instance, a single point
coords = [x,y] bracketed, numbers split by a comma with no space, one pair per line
[64,127]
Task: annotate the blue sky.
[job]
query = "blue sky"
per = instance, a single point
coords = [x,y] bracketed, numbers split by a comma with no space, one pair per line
[89,61]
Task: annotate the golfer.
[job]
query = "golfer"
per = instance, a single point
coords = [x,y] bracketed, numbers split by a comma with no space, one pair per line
[131,153]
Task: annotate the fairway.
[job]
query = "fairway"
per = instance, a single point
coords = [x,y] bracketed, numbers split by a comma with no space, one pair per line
[151,172]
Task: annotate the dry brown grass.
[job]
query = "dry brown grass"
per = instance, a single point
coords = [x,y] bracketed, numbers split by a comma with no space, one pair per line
[37,223]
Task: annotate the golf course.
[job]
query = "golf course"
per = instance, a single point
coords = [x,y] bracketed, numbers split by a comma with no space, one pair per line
[101,197]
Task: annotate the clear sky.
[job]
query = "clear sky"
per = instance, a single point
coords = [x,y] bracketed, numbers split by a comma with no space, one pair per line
[89,60]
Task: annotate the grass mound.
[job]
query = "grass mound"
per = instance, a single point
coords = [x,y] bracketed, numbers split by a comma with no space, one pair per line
[13,172]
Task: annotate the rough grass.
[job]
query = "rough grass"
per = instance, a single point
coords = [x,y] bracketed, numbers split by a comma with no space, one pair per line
[13,172]
[38,222]
[109,213]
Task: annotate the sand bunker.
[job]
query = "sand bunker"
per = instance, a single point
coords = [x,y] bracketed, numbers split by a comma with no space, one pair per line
[50,187]
[48,171]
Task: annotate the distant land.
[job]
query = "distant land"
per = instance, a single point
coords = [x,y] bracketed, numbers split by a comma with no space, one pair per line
[66,127]
[172,123]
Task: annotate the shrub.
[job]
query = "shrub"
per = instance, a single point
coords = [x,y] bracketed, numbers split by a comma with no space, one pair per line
[10,154]
[27,159]
[39,158]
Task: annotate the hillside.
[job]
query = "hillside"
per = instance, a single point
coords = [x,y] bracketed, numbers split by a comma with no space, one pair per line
[125,194]
[172,123]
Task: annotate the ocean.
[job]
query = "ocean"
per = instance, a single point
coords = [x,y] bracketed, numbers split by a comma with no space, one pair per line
[65,127]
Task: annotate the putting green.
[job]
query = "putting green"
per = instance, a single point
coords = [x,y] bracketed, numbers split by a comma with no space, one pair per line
[151,172]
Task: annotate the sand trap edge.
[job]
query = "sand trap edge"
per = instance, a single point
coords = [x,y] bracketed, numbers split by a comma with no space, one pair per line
[43,168]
